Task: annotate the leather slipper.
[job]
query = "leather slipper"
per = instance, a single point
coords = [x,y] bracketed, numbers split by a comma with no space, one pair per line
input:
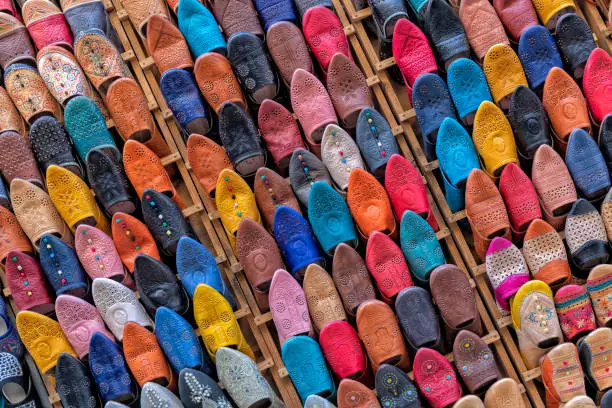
[436,378]
[549,10]
[324,304]
[516,16]
[15,238]
[587,165]
[388,266]
[28,286]
[375,140]
[11,120]
[506,389]
[395,389]
[468,87]
[520,197]
[469,401]
[183,97]
[217,81]
[236,17]
[562,375]
[74,384]
[351,278]
[599,286]
[529,122]
[83,15]
[46,24]
[605,139]
[272,190]
[538,54]
[142,10]
[288,307]
[420,246]
[314,401]
[385,15]
[17,160]
[586,237]
[504,72]
[10,341]
[325,35]
[288,49]
[131,238]
[482,27]
[446,31]
[340,155]
[274,11]
[144,357]
[15,45]
[207,160]
[304,170]
[507,270]
[343,350]
[200,28]
[575,41]
[475,362]
[418,318]
[597,82]
[544,252]
[157,286]
[303,6]
[353,394]
[197,389]
[97,254]
[280,132]
[594,351]
[370,205]
[412,52]
[154,394]
[575,311]
[167,45]
[61,266]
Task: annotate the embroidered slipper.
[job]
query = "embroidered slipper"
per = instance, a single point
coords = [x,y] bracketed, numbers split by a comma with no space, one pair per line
[575,311]
[288,307]
[97,254]
[538,54]
[351,278]
[381,335]
[17,160]
[43,338]
[9,339]
[420,246]
[436,378]
[505,388]
[15,238]
[240,138]
[529,122]
[29,93]
[280,132]
[549,11]
[597,82]
[61,266]
[183,97]
[324,304]
[599,286]
[117,305]
[83,15]
[11,120]
[453,294]
[475,362]
[562,374]
[207,160]
[520,197]
[587,165]
[79,321]
[504,72]
[158,286]
[62,74]
[74,384]
[325,35]
[485,211]
[605,139]
[272,190]
[109,371]
[304,170]
[197,389]
[132,237]
[343,350]
[217,81]
[28,286]
[353,394]
[388,266]
[200,28]
[167,45]
[142,10]
[457,157]
[575,41]
[144,357]
[179,342]
[15,45]
[340,155]
[370,205]
[595,351]
[586,236]
[516,16]
[506,269]
[446,31]
[482,27]
[196,265]
[154,394]
[375,140]
[236,17]
[288,49]
[545,254]
[46,24]
[418,318]
[468,87]
[535,321]
[412,52]
[395,389]
[274,11]
[313,107]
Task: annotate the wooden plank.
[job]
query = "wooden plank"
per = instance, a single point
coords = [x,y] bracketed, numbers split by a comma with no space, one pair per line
[602,32]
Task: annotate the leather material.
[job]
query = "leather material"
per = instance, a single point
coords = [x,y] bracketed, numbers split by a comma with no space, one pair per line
[304,170]
[387,264]
[606,213]
[412,52]
[279,131]
[179,342]
[406,190]
[586,237]
[545,254]
[118,305]
[529,121]
[28,286]
[468,86]
[420,246]
[554,185]
[597,82]
[314,401]
[446,31]
[503,70]
[247,54]
[538,54]
[375,140]
[237,16]
[158,286]
[274,11]
[183,97]
[46,24]
[131,238]
[432,104]
[15,45]
[10,343]
[483,28]
[340,155]
[167,45]
[170,227]
[395,389]
[91,47]
[109,370]
[130,111]
[196,265]
[547,9]
[507,270]
[475,362]
[325,35]
[343,350]
[562,374]
[468,401]
[87,127]
[587,165]
[505,389]
[580,401]
[599,286]
[520,197]
[385,15]
[240,139]
[370,205]
[380,333]
[594,351]
[79,321]
[35,212]
[43,338]
[83,15]
[17,160]
[575,41]
[313,107]
[272,190]
[605,139]
[305,363]
[217,81]
[324,304]
[436,378]
[288,49]
[196,23]
[347,89]
[455,298]
[288,307]
[61,266]
[564,104]
[154,394]
[485,211]
[535,321]
[353,394]
[516,16]
[207,160]
[145,171]
[575,311]
[29,93]
[351,278]
[10,120]
[74,383]
[144,357]
[15,239]
[142,10]
[418,318]
[303,6]
[62,74]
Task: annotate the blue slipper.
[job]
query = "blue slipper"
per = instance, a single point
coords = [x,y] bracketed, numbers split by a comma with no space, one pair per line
[394,388]
[158,286]
[538,54]
[446,31]
[85,16]
[4,198]
[296,241]
[418,319]
[273,11]
[529,121]
[468,87]
[200,28]
[587,165]
[109,370]
[420,246]
[375,140]
[198,390]
[196,265]
[605,139]
[306,365]
[183,97]
[330,217]
[10,342]
[575,41]
[432,104]
[61,266]
[457,157]
[51,145]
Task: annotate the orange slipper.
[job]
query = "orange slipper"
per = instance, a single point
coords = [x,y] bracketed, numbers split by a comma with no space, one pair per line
[144,356]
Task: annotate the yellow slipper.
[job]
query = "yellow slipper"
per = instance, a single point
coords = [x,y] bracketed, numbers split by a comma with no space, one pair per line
[503,71]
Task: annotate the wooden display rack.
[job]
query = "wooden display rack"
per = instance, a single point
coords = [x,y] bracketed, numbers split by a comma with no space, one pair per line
[596,15]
